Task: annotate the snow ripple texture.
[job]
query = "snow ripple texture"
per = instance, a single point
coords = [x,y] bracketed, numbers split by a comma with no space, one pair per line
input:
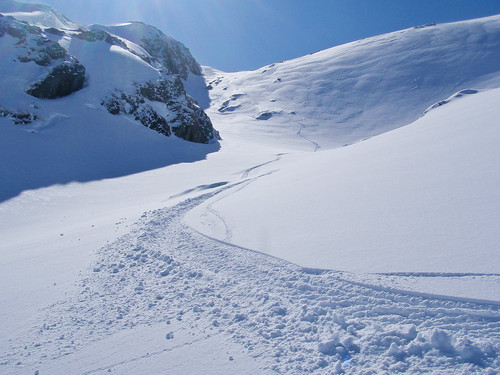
[291,320]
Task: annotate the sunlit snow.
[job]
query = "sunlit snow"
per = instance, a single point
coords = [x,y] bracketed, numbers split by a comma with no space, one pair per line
[347,222]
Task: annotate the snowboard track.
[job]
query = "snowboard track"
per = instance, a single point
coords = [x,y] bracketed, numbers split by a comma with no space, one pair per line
[290,319]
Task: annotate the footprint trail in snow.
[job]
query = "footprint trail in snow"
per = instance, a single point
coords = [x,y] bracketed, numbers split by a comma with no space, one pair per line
[290,320]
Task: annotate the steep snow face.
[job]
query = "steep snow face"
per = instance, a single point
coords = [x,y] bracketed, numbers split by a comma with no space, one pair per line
[70,98]
[357,90]
[422,198]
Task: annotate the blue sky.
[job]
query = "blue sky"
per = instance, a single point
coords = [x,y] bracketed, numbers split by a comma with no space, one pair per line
[234,35]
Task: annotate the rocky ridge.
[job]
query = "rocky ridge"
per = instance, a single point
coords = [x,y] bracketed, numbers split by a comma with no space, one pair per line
[60,73]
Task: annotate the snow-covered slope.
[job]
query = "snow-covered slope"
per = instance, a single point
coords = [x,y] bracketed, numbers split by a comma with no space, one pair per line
[356,90]
[105,276]
[37,14]
[422,198]
[76,102]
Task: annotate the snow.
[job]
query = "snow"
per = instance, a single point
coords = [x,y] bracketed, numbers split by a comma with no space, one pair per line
[357,90]
[101,61]
[161,277]
[76,139]
[37,14]
[388,204]
[127,252]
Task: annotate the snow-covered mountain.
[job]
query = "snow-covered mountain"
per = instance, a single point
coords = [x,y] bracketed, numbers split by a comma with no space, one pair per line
[264,257]
[77,97]
[357,90]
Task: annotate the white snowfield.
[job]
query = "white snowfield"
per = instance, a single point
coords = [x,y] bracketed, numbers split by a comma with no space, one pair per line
[357,90]
[264,257]
[422,198]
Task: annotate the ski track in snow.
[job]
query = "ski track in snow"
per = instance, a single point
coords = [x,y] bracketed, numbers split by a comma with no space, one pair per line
[246,172]
[316,145]
[290,319]
[228,234]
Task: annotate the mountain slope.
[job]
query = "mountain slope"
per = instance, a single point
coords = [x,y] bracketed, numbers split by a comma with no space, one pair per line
[76,102]
[356,90]
[422,198]
[106,277]
[37,14]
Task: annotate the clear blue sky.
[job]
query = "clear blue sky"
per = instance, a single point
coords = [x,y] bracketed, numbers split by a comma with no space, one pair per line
[236,35]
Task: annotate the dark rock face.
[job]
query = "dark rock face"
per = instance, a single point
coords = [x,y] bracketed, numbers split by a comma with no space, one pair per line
[96,35]
[195,126]
[265,115]
[185,118]
[166,91]
[19,117]
[150,118]
[61,81]
[54,31]
[136,106]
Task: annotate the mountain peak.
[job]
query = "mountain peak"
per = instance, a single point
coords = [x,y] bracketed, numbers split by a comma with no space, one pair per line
[76,94]
[164,50]
[36,14]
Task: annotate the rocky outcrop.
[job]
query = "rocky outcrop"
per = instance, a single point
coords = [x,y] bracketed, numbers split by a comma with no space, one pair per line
[136,106]
[173,55]
[194,126]
[62,80]
[46,52]
[17,29]
[99,35]
[19,117]
[32,45]
[163,52]
[180,115]
[162,105]
[230,105]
